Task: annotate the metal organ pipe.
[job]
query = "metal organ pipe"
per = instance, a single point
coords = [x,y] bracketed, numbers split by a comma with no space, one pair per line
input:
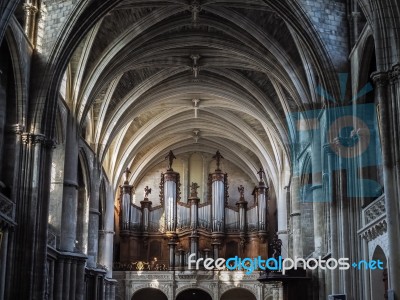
[126,201]
[171,179]
[218,201]
[262,198]
[242,205]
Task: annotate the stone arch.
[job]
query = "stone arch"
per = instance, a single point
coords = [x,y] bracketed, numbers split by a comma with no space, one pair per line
[193,287]
[238,294]
[193,294]
[227,288]
[379,278]
[149,293]
[164,288]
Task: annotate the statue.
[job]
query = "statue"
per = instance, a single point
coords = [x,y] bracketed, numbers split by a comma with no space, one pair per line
[241,191]
[147,191]
[218,157]
[127,172]
[193,189]
[261,173]
[171,158]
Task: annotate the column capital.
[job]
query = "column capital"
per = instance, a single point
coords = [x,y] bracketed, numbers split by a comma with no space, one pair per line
[29,8]
[37,138]
[380,79]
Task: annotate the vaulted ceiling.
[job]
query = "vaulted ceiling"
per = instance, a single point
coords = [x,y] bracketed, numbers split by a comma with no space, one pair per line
[155,76]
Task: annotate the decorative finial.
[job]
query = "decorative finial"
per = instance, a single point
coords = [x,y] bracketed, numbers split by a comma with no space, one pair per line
[171,158]
[147,191]
[218,157]
[261,173]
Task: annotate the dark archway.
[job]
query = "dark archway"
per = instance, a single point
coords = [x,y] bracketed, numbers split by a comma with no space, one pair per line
[193,294]
[238,294]
[149,293]
[379,278]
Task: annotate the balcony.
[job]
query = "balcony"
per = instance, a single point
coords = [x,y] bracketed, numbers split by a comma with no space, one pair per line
[7,210]
[374,220]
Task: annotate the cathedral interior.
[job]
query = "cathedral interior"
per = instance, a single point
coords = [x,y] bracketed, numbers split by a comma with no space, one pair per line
[137,136]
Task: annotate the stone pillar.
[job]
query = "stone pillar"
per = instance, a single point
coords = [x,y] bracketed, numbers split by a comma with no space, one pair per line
[342,192]
[30,21]
[3,260]
[333,217]
[29,267]
[296,217]
[319,203]
[80,279]
[106,236]
[51,279]
[73,283]
[67,279]
[70,191]
[59,279]
[283,200]
[389,174]
[94,213]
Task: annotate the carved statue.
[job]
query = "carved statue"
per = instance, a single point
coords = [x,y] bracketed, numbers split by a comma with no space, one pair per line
[276,247]
[261,173]
[241,191]
[218,157]
[171,158]
[193,189]
[147,192]
[127,172]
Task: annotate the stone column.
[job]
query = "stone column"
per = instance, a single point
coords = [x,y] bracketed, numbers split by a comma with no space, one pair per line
[30,21]
[94,213]
[106,236]
[342,192]
[319,203]
[51,279]
[3,260]
[59,279]
[70,191]
[283,200]
[391,199]
[333,217]
[33,201]
[296,217]
[67,279]
[80,279]
[73,283]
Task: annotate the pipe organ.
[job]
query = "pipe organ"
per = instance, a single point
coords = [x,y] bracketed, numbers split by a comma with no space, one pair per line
[191,226]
